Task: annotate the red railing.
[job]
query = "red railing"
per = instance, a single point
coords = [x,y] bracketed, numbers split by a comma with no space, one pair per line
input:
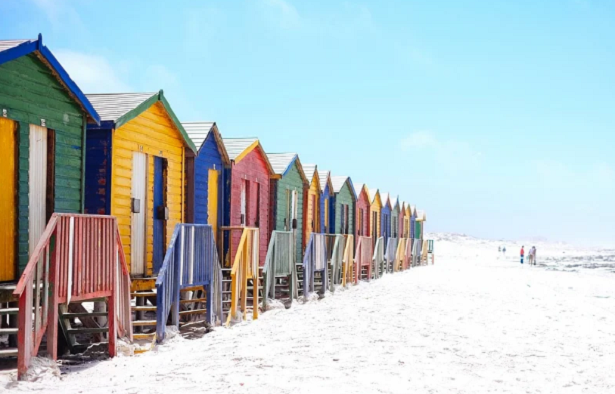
[78,257]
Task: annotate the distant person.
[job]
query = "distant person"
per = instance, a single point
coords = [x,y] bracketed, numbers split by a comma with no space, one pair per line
[499,249]
[522,254]
[504,250]
[533,255]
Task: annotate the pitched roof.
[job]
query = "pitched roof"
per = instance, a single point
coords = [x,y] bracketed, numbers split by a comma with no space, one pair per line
[358,188]
[121,108]
[310,171]
[395,202]
[112,106]
[372,195]
[14,49]
[412,209]
[282,163]
[325,177]
[421,216]
[338,182]
[238,148]
[198,132]
[384,197]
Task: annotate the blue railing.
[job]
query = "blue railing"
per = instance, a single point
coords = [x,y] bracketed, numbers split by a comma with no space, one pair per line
[191,260]
[315,260]
[378,257]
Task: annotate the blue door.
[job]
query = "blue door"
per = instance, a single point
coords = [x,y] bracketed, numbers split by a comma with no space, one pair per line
[160,213]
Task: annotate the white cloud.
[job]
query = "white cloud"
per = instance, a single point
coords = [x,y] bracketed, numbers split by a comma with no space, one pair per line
[157,76]
[61,15]
[92,73]
[419,139]
[285,13]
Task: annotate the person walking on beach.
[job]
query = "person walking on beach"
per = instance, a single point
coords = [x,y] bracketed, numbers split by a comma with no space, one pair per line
[522,254]
[504,250]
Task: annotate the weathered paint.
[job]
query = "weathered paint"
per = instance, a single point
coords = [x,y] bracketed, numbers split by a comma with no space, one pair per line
[213,187]
[8,201]
[326,207]
[152,132]
[375,211]
[402,218]
[253,171]
[344,200]
[291,181]
[312,214]
[385,219]
[412,223]
[362,226]
[395,218]
[30,92]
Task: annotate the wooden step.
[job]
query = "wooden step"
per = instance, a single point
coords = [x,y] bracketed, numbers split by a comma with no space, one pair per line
[143,308]
[88,314]
[8,352]
[144,336]
[9,311]
[97,330]
[9,331]
[142,323]
[193,312]
[193,288]
[193,300]
[144,294]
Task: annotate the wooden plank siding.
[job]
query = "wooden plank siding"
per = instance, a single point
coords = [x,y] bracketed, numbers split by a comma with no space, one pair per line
[253,169]
[345,197]
[402,218]
[326,223]
[362,227]
[153,133]
[312,208]
[385,220]
[30,92]
[375,212]
[290,181]
[395,218]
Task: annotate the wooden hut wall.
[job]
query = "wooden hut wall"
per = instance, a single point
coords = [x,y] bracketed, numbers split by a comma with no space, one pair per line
[312,213]
[344,200]
[385,220]
[207,163]
[362,225]
[325,213]
[402,217]
[30,93]
[375,214]
[252,172]
[152,132]
[290,181]
[395,221]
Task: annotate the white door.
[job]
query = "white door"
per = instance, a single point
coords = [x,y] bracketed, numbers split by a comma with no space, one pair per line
[37,174]
[139,184]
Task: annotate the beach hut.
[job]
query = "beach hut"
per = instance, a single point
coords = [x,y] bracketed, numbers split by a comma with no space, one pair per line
[395,211]
[402,219]
[204,172]
[287,191]
[385,217]
[311,215]
[412,223]
[326,193]
[362,227]
[407,222]
[247,192]
[135,171]
[375,209]
[344,200]
[43,114]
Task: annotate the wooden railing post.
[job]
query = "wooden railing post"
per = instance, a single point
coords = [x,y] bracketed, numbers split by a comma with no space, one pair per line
[54,276]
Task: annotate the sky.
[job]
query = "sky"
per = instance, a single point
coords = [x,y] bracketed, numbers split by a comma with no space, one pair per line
[495,117]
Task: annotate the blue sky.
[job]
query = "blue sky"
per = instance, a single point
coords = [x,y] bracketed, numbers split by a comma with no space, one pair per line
[496,117]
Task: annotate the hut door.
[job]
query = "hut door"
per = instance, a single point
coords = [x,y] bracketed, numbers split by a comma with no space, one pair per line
[212,201]
[161,211]
[8,202]
[37,184]
[374,226]
[139,181]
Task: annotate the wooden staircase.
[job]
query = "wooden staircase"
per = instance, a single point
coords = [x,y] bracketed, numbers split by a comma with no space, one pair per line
[8,320]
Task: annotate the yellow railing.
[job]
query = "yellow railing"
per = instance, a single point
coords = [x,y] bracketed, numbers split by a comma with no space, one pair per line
[348,260]
[400,255]
[245,267]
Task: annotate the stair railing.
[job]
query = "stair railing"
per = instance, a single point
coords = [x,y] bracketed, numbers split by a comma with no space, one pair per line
[244,267]
[314,260]
[78,257]
[337,258]
[363,257]
[280,261]
[190,261]
[378,257]
[348,260]
[400,254]
[407,262]
[390,254]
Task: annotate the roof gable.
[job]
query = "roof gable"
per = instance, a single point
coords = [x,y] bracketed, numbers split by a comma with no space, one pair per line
[339,181]
[13,49]
[324,178]
[374,196]
[282,163]
[121,108]
[200,131]
[386,200]
[238,148]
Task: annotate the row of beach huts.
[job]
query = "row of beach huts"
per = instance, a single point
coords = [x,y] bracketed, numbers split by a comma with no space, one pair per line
[118,220]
